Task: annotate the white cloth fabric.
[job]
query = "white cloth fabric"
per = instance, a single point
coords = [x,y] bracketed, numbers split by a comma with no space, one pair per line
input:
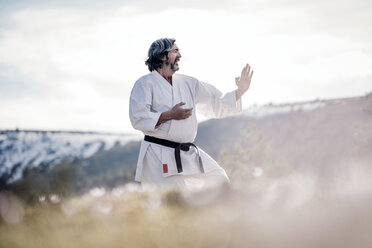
[151,95]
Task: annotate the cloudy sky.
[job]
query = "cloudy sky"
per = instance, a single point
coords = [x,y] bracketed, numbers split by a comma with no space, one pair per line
[70,65]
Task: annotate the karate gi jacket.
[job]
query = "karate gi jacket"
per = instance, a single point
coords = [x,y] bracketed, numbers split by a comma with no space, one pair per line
[152,94]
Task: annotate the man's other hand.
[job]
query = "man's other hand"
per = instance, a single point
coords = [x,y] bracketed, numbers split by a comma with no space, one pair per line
[179,113]
[176,113]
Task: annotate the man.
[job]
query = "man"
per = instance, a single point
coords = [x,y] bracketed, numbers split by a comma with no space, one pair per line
[162,106]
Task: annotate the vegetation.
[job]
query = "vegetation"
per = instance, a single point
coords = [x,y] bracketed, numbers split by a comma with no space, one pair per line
[104,169]
[130,217]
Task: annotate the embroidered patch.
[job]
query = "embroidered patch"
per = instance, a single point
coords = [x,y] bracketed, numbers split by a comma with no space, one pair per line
[165,168]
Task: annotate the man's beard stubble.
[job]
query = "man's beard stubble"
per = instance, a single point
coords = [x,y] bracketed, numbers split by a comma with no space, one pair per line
[173,65]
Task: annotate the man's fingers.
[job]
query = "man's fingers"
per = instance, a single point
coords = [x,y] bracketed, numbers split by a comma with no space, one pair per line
[178,105]
[248,69]
[186,109]
[243,72]
[250,76]
[188,112]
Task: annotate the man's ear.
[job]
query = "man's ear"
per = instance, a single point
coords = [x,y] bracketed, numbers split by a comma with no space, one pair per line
[165,58]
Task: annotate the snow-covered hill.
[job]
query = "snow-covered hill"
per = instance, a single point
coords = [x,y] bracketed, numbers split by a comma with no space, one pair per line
[271,109]
[22,149]
[327,128]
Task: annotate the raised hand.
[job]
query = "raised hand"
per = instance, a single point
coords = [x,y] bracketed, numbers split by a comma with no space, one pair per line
[244,81]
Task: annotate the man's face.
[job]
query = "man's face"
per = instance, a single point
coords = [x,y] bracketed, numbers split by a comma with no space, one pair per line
[174,56]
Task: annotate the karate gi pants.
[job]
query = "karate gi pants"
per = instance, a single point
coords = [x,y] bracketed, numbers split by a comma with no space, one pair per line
[153,175]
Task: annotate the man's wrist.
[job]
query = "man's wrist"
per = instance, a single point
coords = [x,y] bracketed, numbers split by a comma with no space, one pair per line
[164,117]
[239,93]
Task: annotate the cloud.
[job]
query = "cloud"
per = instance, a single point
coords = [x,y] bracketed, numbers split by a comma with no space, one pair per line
[142,5]
[90,113]
[66,46]
[79,57]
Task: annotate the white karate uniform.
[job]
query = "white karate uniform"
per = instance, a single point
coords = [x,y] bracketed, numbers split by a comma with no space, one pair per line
[151,95]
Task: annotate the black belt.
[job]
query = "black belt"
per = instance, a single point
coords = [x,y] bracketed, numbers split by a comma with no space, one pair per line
[177,150]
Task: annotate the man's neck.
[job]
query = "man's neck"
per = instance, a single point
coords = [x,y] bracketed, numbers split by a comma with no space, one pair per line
[167,73]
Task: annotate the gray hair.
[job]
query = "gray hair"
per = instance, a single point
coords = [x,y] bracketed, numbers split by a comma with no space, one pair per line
[157,51]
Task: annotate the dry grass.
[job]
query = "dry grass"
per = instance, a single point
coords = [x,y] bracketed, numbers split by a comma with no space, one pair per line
[270,215]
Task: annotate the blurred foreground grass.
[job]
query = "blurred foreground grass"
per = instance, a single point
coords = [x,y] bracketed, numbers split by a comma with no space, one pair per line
[121,218]
[222,216]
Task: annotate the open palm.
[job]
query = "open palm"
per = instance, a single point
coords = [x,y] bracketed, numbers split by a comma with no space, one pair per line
[244,81]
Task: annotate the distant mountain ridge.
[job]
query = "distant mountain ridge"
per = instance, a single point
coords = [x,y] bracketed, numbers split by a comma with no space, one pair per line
[21,149]
[317,135]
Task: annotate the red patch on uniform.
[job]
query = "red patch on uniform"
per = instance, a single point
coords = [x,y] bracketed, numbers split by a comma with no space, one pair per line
[165,168]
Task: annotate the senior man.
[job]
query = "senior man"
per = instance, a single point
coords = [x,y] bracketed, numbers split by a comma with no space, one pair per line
[162,106]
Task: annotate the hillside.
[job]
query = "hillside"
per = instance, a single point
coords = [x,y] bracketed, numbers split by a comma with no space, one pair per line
[325,139]
[320,138]
[25,149]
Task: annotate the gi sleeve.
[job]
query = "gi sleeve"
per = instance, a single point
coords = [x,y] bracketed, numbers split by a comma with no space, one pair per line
[212,103]
[141,115]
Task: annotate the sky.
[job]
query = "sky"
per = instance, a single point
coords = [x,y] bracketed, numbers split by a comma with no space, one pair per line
[70,65]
